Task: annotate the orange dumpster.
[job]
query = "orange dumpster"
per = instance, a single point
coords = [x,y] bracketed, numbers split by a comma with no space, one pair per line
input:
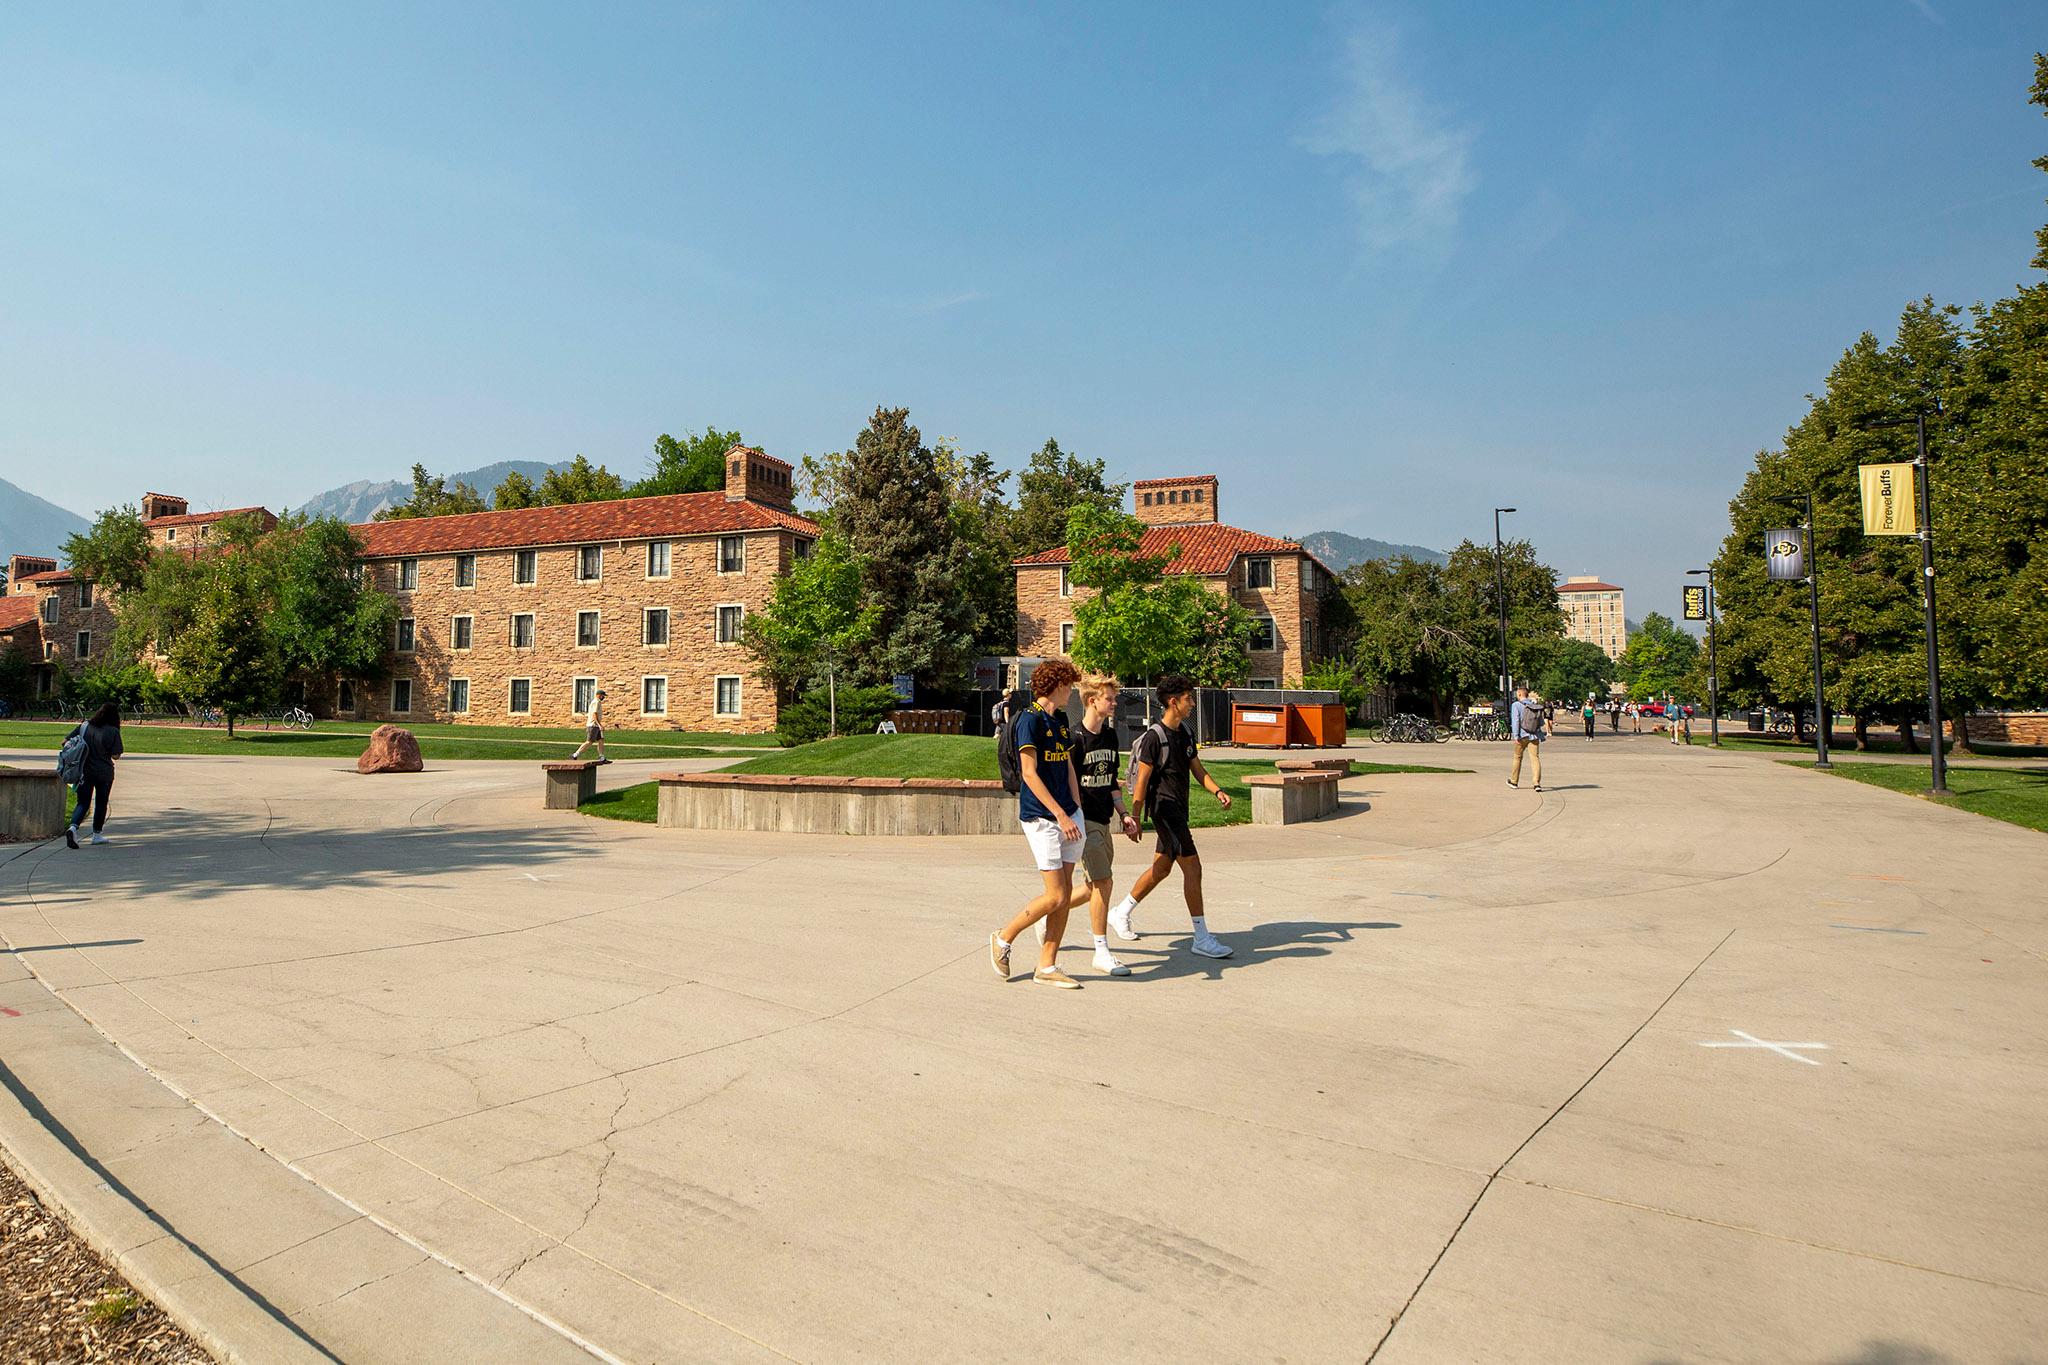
[1319,725]
[1258,726]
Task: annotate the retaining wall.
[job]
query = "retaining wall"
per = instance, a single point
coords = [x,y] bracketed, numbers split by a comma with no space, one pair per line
[834,805]
[2007,727]
[32,803]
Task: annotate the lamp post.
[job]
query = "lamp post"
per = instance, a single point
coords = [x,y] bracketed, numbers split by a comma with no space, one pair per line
[1804,501]
[1713,664]
[1923,490]
[1500,593]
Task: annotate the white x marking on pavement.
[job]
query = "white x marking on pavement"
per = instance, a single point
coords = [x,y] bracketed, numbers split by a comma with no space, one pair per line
[1782,1049]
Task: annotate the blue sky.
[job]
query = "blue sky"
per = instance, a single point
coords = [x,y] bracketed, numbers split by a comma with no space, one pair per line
[1378,268]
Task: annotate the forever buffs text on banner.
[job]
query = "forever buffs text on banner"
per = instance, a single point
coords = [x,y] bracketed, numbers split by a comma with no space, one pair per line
[1785,554]
[1888,508]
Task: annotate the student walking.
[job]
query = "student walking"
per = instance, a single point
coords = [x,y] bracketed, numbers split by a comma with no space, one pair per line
[593,728]
[1675,714]
[1613,717]
[1525,724]
[1588,714]
[1635,718]
[1047,809]
[1103,815]
[102,735]
[1164,758]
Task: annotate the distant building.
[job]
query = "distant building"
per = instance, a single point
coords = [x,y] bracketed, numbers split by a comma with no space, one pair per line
[1593,613]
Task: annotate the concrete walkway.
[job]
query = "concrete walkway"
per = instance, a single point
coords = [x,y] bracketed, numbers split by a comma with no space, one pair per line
[381,1063]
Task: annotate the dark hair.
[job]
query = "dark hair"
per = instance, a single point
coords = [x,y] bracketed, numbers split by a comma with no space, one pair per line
[1170,686]
[107,717]
[1050,676]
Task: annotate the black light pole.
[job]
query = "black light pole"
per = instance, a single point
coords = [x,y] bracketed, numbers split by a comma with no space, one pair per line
[1923,491]
[1820,696]
[1713,664]
[1500,592]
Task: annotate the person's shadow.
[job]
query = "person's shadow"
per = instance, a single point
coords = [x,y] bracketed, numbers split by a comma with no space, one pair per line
[1169,957]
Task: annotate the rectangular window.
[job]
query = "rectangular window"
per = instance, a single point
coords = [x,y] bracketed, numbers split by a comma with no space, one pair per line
[582,694]
[803,549]
[401,696]
[458,696]
[84,643]
[50,610]
[520,701]
[731,620]
[586,630]
[654,626]
[1265,684]
[590,563]
[732,554]
[406,637]
[1258,573]
[1066,582]
[523,565]
[1200,493]
[726,697]
[84,595]
[459,631]
[654,696]
[1267,635]
[345,697]
[465,571]
[170,535]
[408,574]
[1066,637]
[522,630]
[657,559]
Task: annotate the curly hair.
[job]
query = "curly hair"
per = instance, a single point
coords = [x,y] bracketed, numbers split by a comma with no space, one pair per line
[1050,676]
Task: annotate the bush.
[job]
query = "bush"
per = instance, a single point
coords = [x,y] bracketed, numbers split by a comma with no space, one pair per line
[861,709]
[132,687]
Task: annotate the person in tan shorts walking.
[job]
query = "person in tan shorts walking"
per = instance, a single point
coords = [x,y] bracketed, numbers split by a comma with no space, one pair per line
[1525,723]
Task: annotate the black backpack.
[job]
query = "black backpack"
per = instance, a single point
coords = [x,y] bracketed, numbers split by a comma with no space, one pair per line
[1008,761]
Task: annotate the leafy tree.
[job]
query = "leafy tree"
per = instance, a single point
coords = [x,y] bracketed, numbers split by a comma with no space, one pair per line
[580,482]
[17,676]
[1139,621]
[983,525]
[515,491]
[1579,668]
[1659,659]
[1050,487]
[226,656]
[114,552]
[895,512]
[817,617]
[433,497]
[849,711]
[695,464]
[325,617]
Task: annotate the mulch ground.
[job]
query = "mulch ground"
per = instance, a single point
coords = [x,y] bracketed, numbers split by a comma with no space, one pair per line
[60,1302]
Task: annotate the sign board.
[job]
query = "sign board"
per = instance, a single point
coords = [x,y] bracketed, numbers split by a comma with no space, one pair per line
[887,727]
[1260,717]
[904,685]
[1695,602]
[988,674]
[1785,554]
[1888,505]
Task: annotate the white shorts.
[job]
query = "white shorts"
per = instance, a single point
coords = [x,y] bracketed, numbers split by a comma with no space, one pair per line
[1048,850]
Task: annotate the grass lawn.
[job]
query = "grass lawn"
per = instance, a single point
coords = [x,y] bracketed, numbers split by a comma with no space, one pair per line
[2018,796]
[956,756]
[438,743]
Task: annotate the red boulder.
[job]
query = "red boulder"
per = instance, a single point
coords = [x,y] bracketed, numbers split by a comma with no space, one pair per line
[391,750]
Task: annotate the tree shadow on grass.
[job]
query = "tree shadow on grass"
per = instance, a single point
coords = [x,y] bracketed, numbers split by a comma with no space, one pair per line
[1169,957]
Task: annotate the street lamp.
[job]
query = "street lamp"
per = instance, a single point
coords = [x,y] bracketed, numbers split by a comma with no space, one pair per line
[1925,492]
[1500,594]
[1804,501]
[1713,663]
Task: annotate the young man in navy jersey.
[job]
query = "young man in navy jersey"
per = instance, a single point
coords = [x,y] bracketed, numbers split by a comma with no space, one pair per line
[1048,808]
[1164,759]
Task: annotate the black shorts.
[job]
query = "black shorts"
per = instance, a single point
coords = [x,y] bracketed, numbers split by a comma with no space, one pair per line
[1171,824]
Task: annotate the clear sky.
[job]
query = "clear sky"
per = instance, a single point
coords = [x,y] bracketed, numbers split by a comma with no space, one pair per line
[1378,268]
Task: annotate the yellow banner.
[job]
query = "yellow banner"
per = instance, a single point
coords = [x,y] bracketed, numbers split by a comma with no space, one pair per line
[1888,504]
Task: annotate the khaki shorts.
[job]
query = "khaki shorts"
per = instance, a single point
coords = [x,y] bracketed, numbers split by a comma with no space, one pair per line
[1097,852]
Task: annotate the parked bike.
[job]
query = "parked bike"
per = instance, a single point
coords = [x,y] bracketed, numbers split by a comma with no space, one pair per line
[1402,728]
[298,718]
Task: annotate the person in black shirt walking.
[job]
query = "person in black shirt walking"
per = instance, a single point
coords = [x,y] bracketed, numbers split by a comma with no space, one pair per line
[1096,758]
[1164,757]
[102,747]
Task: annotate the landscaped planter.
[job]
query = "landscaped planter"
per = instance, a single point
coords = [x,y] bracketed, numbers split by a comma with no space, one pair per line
[834,805]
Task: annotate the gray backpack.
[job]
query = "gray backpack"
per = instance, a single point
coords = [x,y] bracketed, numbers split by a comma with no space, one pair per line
[71,758]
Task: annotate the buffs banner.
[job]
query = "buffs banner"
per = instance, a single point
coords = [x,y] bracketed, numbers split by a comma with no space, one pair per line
[1888,500]
[1785,554]
[1695,603]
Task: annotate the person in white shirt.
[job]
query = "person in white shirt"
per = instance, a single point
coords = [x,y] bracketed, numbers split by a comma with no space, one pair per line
[593,729]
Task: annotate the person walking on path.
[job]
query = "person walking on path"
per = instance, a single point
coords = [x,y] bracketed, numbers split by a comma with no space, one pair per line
[1048,811]
[593,728]
[1163,759]
[96,784]
[1613,716]
[1103,814]
[1675,714]
[1525,726]
[1587,713]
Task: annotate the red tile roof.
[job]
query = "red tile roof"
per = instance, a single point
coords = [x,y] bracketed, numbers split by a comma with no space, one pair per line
[16,612]
[48,576]
[581,523]
[195,518]
[1207,548]
[1595,586]
[1185,478]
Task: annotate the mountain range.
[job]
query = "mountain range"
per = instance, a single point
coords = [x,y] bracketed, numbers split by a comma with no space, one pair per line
[31,526]
[365,498]
[1340,551]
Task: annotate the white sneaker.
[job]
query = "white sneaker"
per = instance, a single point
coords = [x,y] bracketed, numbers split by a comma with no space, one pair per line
[99,838]
[1120,923]
[1208,945]
[1106,963]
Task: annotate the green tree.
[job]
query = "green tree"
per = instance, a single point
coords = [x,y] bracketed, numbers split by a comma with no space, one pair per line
[1049,487]
[1659,659]
[895,512]
[516,490]
[983,525]
[695,464]
[817,616]
[1578,668]
[226,656]
[432,496]
[582,481]
[1136,620]
[114,552]
[325,617]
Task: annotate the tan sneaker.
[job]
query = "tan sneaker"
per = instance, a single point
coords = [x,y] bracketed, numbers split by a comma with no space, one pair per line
[1053,976]
[999,955]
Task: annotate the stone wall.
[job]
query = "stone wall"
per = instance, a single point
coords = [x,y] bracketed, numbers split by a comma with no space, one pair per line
[62,637]
[834,805]
[2008,727]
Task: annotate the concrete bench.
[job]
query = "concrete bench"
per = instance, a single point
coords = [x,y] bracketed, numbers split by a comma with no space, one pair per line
[1339,766]
[570,782]
[33,803]
[1291,798]
[834,805]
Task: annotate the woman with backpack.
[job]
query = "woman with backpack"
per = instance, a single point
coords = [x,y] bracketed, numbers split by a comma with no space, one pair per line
[102,745]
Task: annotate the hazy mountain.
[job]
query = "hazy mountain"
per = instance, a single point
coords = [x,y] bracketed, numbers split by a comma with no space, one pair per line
[1340,551]
[31,526]
[365,498]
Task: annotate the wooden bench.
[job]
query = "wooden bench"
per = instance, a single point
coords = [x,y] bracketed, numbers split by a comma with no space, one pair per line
[1291,798]
[32,803]
[570,782]
[1339,766]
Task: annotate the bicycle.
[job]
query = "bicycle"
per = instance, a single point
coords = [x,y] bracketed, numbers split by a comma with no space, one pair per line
[297,718]
[1402,728]
[1482,726]
[207,715]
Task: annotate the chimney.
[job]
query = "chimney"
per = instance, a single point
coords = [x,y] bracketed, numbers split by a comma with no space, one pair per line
[751,476]
[1175,502]
[156,505]
[21,566]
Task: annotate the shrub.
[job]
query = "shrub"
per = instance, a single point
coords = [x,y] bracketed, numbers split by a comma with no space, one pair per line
[861,709]
[132,687]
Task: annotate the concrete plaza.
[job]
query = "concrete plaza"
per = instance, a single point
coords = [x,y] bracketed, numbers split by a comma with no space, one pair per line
[1693,1056]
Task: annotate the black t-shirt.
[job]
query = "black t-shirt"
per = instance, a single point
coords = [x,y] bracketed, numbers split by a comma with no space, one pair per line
[1097,757]
[1171,763]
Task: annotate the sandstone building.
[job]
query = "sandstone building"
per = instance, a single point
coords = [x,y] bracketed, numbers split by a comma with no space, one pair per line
[1593,613]
[1276,580]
